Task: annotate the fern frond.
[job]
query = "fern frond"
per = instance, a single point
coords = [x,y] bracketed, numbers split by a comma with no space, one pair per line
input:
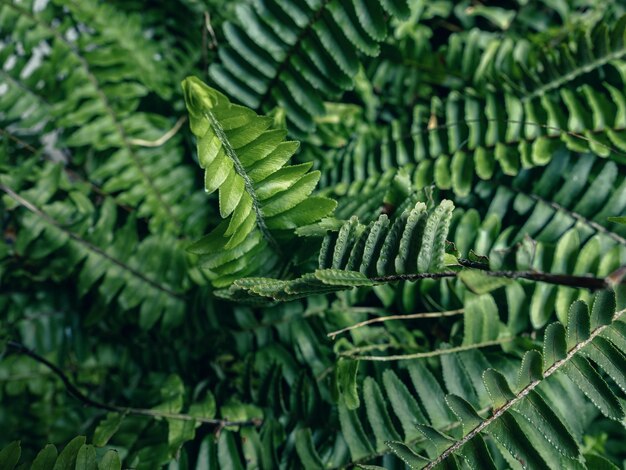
[469,59]
[357,255]
[478,403]
[478,130]
[97,108]
[545,220]
[589,50]
[564,231]
[176,27]
[73,238]
[473,137]
[529,405]
[258,192]
[295,53]
[576,190]
[126,40]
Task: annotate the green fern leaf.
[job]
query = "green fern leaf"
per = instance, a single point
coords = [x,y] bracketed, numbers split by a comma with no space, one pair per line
[306,450]
[377,413]
[381,247]
[297,51]
[245,162]
[404,405]
[410,458]
[354,434]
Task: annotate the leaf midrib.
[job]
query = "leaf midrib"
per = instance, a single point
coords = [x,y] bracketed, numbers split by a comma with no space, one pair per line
[231,153]
[521,394]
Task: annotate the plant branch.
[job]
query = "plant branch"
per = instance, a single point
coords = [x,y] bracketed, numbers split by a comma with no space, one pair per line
[584,282]
[73,391]
[422,355]
[209,29]
[411,316]
[414,277]
[161,140]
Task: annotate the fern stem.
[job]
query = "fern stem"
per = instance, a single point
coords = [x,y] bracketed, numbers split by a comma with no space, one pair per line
[411,316]
[414,442]
[520,395]
[421,355]
[100,252]
[80,396]
[449,125]
[19,141]
[575,215]
[414,277]
[163,139]
[572,75]
[585,282]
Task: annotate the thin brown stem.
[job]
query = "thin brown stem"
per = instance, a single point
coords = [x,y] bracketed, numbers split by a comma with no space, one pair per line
[422,355]
[411,316]
[414,277]
[73,391]
[161,140]
[584,282]
[209,28]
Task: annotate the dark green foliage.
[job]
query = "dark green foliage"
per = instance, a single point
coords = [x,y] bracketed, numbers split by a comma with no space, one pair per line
[76,454]
[295,53]
[409,251]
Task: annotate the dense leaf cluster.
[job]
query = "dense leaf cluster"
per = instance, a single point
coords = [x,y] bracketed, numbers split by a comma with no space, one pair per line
[312,234]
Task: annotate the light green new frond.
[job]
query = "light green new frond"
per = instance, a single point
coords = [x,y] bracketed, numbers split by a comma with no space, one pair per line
[259,195]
